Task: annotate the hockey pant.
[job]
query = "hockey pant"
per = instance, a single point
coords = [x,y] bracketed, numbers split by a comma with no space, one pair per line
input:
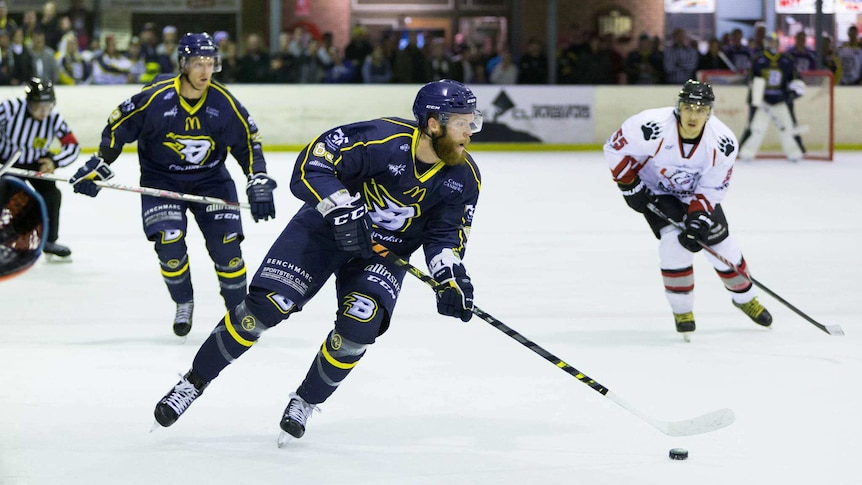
[52,197]
[778,114]
[170,246]
[677,270]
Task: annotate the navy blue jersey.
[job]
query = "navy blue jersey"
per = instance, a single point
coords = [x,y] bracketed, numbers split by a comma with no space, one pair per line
[778,70]
[410,203]
[178,139]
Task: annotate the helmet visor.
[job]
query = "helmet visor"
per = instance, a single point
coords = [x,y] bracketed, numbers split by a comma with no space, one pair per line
[460,123]
[202,62]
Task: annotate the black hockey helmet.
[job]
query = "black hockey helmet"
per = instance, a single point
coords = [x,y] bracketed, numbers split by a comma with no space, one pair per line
[39,91]
[696,93]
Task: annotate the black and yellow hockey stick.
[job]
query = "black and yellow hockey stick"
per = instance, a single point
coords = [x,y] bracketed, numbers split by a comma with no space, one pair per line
[701,424]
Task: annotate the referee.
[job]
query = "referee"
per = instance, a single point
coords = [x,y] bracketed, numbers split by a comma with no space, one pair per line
[31,124]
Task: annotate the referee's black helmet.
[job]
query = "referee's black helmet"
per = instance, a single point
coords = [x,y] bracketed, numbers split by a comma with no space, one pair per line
[39,91]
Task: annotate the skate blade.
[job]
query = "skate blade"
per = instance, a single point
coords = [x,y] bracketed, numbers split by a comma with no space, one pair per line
[54,259]
[284,439]
[155,426]
[686,336]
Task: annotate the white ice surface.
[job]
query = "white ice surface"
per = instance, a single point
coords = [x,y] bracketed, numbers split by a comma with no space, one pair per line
[87,349]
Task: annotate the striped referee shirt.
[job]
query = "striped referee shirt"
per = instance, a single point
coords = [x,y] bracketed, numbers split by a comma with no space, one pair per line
[20,131]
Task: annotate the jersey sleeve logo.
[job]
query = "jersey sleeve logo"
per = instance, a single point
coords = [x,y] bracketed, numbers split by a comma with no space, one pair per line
[726,146]
[651,130]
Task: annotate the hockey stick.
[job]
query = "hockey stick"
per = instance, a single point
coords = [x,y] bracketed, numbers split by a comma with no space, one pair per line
[167,194]
[697,425]
[12,160]
[830,329]
[795,130]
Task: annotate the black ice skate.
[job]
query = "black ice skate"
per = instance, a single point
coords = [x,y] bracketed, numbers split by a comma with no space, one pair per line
[756,312]
[57,253]
[179,398]
[183,318]
[684,324]
[295,416]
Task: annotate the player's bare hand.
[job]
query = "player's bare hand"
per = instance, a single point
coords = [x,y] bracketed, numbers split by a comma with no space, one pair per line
[46,165]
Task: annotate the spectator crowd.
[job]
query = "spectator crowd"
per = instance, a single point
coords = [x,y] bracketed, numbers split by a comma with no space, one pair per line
[62,47]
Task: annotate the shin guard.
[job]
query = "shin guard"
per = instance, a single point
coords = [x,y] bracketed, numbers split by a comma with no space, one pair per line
[336,358]
[171,249]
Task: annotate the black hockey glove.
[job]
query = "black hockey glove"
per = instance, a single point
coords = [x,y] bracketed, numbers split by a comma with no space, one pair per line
[697,225]
[259,190]
[455,293]
[637,195]
[83,182]
[351,224]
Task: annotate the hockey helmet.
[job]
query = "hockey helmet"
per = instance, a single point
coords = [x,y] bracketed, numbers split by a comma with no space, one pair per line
[39,91]
[198,45]
[771,43]
[696,93]
[446,97]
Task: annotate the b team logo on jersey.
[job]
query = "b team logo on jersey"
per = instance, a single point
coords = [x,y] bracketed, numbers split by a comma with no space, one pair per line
[194,150]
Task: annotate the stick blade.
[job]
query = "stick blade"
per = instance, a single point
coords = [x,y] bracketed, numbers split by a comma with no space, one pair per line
[834,330]
[706,423]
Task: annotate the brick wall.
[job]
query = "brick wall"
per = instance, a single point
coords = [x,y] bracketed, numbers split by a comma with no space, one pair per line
[328,16]
[647,16]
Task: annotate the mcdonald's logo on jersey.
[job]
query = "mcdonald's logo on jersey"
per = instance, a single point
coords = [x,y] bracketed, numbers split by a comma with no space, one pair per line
[193,123]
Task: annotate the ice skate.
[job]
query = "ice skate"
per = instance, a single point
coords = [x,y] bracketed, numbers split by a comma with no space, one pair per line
[57,253]
[293,421]
[684,324]
[183,318]
[756,312]
[178,399]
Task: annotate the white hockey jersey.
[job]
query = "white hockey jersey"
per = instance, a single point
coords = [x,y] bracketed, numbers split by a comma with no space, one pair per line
[649,145]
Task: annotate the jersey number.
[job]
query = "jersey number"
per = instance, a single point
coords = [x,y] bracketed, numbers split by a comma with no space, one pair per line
[618,141]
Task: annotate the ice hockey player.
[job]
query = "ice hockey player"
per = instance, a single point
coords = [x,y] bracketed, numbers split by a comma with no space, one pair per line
[22,224]
[185,124]
[31,125]
[405,184]
[679,160]
[775,83]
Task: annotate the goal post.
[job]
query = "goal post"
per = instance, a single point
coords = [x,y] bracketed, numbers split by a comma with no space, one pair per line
[814,111]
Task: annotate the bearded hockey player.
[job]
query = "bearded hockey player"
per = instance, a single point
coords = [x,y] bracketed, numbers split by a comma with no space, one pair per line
[680,159]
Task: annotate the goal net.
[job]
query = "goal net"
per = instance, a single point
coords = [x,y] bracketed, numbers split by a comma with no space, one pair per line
[814,112]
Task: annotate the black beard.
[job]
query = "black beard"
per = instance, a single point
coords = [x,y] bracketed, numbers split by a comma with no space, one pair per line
[447,150]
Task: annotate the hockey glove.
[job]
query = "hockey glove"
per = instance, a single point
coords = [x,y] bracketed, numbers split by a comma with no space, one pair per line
[455,293]
[351,224]
[83,182]
[637,195]
[259,190]
[697,225]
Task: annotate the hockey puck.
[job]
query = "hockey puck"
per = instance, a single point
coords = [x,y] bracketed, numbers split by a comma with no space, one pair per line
[678,454]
